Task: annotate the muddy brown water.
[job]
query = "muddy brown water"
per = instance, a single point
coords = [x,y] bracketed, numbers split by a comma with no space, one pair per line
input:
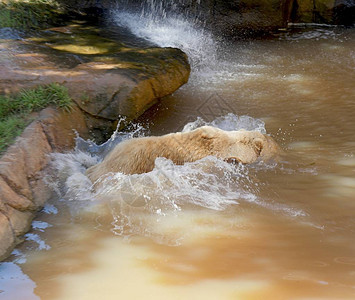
[294,240]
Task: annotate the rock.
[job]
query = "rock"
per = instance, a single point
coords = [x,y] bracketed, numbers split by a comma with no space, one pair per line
[24,159]
[106,78]
[247,17]
[344,12]
[12,170]
[109,91]
[9,197]
[20,221]
[35,149]
[244,18]
[23,190]
[61,128]
[7,236]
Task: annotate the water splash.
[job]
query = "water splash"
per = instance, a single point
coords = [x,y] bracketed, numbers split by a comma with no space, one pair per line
[68,178]
[229,122]
[40,225]
[206,183]
[213,60]
[166,26]
[88,146]
[140,203]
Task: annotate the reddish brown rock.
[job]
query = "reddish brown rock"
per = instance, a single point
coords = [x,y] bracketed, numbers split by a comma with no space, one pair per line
[119,87]
[13,170]
[60,129]
[10,197]
[7,236]
[23,189]
[34,138]
[20,221]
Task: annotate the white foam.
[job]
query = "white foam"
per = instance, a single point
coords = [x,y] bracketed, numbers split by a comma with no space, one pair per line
[20,257]
[37,239]
[40,225]
[50,209]
[203,183]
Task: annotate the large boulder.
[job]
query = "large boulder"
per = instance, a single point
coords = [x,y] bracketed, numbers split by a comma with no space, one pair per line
[129,83]
[106,78]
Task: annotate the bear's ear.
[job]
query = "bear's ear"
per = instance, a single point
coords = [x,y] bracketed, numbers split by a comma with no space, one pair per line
[258,145]
[233,160]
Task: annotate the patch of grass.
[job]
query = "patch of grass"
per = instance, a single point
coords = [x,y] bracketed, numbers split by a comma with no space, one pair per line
[15,111]
[30,14]
[10,128]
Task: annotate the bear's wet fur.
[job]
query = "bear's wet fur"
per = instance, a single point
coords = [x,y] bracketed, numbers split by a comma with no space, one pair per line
[137,155]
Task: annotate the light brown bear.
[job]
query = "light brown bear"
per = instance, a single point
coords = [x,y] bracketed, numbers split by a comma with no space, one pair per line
[138,155]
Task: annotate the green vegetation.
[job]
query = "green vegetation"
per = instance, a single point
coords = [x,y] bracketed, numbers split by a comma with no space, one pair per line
[15,111]
[30,14]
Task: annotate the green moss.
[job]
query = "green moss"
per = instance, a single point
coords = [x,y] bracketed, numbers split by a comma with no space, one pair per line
[30,14]
[15,111]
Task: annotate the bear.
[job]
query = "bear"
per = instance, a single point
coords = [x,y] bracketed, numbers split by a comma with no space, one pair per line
[137,155]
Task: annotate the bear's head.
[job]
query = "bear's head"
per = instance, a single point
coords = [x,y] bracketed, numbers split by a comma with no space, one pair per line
[250,146]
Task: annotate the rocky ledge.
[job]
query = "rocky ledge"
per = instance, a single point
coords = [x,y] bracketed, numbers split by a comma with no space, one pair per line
[23,190]
[106,80]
